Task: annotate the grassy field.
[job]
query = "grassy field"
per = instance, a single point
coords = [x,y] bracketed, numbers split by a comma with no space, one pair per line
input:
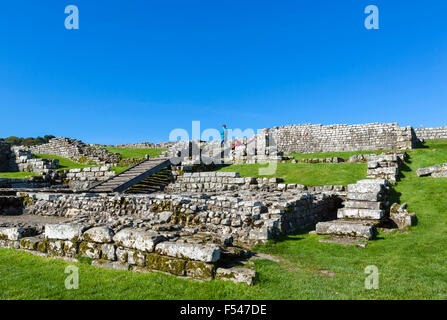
[411,263]
[317,174]
[344,155]
[18,175]
[131,153]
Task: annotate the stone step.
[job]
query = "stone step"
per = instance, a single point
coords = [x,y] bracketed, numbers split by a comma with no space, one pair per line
[365,196]
[346,228]
[353,213]
[373,205]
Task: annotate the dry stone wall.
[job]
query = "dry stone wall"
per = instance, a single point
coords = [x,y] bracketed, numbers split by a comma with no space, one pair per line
[76,150]
[431,133]
[240,216]
[317,138]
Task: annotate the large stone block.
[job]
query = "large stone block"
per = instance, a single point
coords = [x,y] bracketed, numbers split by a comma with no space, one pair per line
[171,265]
[345,229]
[138,239]
[364,196]
[428,170]
[63,231]
[14,233]
[352,213]
[99,234]
[204,253]
[373,205]
[236,275]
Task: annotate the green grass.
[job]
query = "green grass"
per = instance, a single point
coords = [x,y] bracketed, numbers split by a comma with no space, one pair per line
[133,153]
[411,263]
[18,175]
[64,163]
[317,174]
[344,155]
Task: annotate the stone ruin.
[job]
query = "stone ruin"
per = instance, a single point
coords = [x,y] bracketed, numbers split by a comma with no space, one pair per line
[76,150]
[436,171]
[202,224]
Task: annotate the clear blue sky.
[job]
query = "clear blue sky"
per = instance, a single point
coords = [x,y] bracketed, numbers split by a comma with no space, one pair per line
[135,70]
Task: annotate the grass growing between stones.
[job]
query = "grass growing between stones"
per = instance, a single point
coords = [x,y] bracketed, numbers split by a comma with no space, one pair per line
[65,163]
[411,262]
[133,153]
[344,155]
[315,174]
[18,175]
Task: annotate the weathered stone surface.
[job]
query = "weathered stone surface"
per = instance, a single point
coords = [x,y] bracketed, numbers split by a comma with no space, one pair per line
[352,213]
[14,233]
[63,231]
[428,170]
[55,247]
[138,239]
[365,188]
[200,270]
[346,228]
[171,265]
[204,253]
[99,234]
[71,248]
[364,196]
[260,234]
[164,216]
[372,205]
[90,249]
[30,243]
[110,265]
[236,275]
[108,251]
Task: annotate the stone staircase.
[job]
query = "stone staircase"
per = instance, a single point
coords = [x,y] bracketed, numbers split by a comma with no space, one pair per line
[155,183]
[131,176]
[363,210]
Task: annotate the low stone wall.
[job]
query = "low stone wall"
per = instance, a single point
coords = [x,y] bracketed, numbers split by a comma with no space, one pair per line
[82,179]
[431,133]
[33,182]
[22,160]
[126,249]
[243,217]
[76,150]
[219,181]
[320,160]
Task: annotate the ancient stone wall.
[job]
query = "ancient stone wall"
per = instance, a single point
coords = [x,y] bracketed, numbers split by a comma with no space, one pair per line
[242,217]
[431,133]
[317,138]
[76,150]
[33,182]
[82,179]
[22,160]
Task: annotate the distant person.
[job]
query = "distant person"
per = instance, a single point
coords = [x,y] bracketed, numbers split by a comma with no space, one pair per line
[223,135]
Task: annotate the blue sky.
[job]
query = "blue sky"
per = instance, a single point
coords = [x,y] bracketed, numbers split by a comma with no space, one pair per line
[135,70]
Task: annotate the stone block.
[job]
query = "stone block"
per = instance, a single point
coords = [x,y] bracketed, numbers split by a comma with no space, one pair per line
[98,234]
[63,231]
[138,239]
[346,229]
[198,252]
[352,213]
[236,275]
